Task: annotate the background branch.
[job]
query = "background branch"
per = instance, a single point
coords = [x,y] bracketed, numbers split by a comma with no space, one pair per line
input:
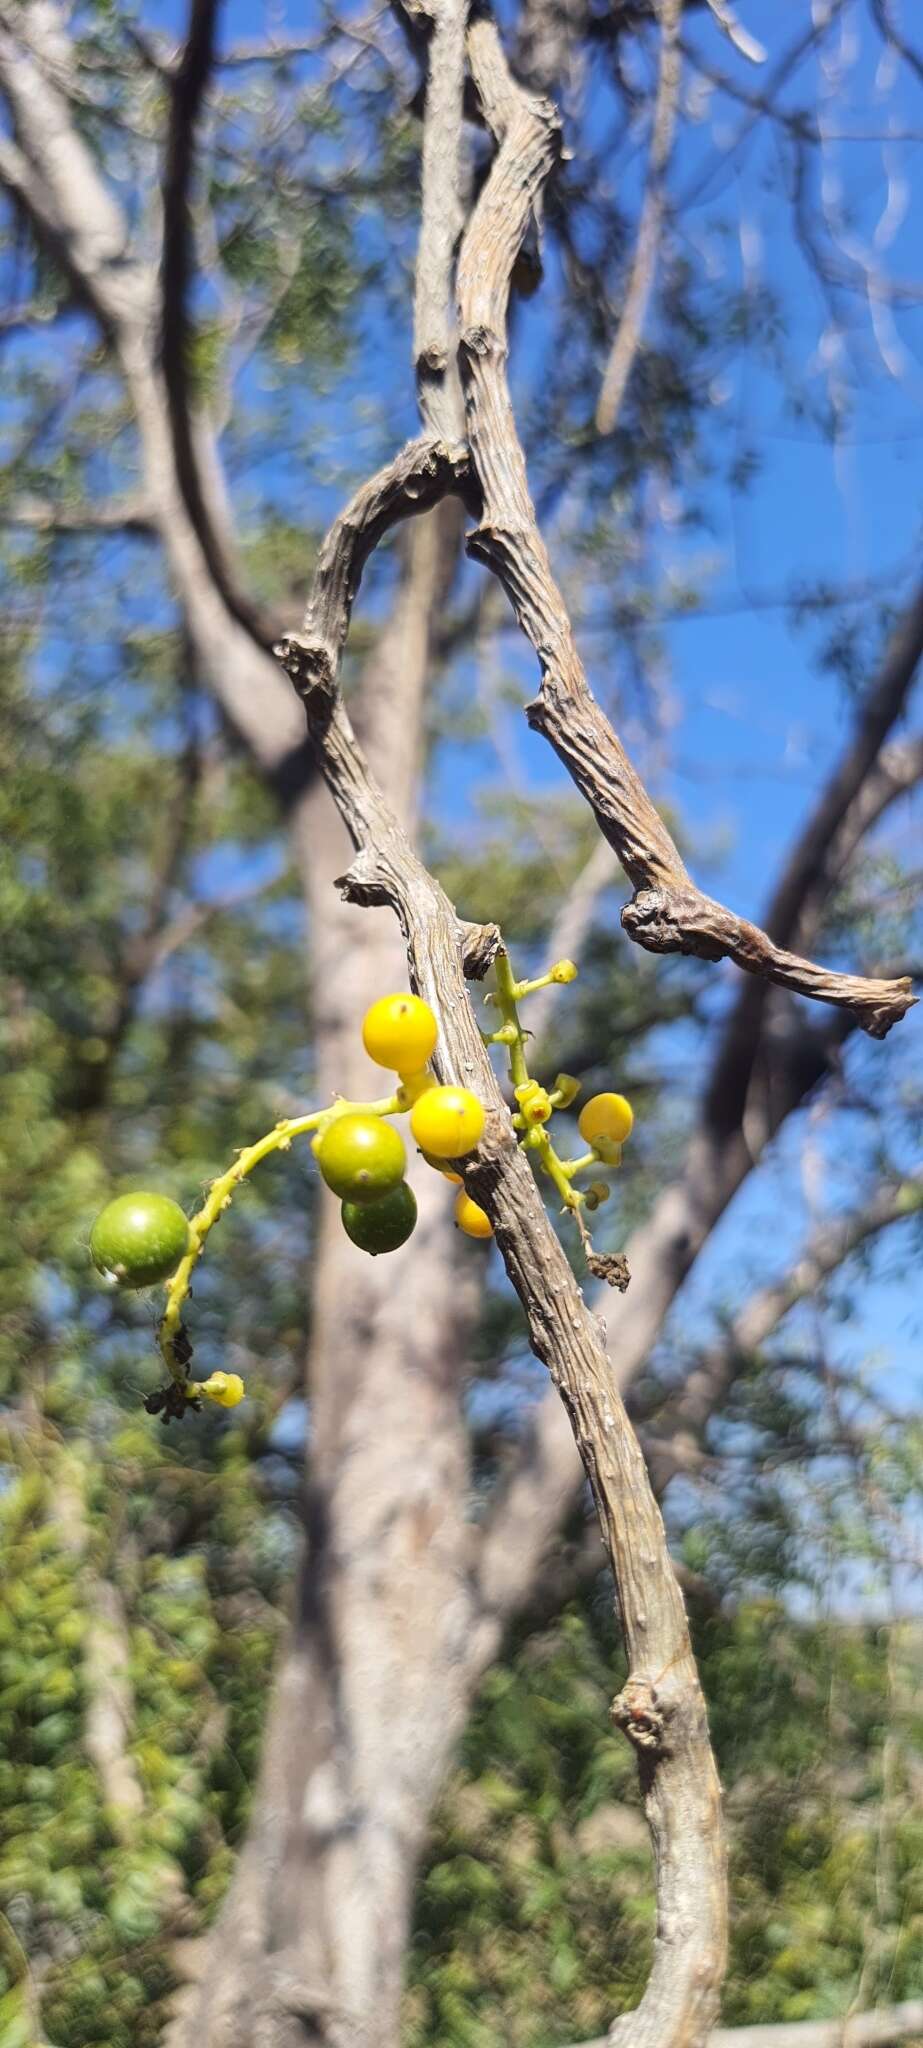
[630,330]
[187,87]
[863,2030]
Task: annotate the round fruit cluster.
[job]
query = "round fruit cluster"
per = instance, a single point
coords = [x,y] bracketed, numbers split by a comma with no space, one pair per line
[362,1157]
[141,1239]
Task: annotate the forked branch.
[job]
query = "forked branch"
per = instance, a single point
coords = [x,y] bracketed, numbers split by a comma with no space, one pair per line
[660,1708]
[668,913]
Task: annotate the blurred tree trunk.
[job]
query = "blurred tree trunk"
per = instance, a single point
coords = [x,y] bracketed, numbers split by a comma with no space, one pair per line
[369,1695]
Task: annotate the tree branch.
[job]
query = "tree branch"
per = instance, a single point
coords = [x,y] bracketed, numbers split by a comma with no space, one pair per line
[53,178]
[434,350]
[187,88]
[661,1707]
[784,1064]
[132,513]
[736,33]
[110,1704]
[864,2030]
[687,1412]
[644,266]
[668,912]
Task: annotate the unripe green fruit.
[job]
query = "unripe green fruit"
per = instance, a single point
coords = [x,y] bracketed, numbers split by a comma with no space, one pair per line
[139,1239]
[384,1225]
[361,1157]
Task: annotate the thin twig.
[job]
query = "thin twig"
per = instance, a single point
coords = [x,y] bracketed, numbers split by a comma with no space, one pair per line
[630,330]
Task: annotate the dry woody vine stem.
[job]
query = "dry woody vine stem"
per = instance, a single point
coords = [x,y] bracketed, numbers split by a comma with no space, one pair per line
[660,1708]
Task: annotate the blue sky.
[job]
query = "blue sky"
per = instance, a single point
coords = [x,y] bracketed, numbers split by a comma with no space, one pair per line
[750,723]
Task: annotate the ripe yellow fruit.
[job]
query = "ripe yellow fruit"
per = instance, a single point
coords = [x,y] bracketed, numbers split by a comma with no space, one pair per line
[400,1032]
[412,1086]
[447,1122]
[606,1116]
[471,1218]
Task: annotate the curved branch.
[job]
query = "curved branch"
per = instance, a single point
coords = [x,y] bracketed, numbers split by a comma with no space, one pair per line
[660,1708]
[668,913]
[188,84]
[421,474]
[50,173]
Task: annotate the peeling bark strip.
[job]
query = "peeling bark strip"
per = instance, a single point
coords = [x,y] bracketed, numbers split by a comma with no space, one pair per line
[668,913]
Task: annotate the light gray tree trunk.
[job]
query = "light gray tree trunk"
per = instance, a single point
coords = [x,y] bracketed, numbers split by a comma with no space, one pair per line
[370,1693]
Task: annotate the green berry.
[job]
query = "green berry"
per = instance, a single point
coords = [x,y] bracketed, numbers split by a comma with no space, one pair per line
[139,1239]
[383,1225]
[361,1157]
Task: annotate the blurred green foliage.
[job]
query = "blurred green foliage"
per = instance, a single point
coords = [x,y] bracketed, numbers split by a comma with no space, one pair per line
[535,1911]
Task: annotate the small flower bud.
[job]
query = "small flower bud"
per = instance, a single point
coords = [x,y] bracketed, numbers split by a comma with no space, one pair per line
[534,1101]
[226,1388]
[563,970]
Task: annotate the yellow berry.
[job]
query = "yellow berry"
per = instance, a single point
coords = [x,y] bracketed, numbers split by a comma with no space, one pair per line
[563,971]
[606,1116]
[413,1086]
[447,1122]
[400,1032]
[472,1219]
[227,1388]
